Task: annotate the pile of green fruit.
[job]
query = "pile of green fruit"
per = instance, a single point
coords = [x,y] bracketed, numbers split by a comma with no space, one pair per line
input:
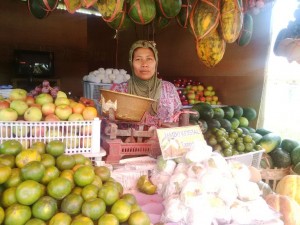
[43,185]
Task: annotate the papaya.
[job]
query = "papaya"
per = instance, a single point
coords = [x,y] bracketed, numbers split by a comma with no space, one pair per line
[231,21]
[109,9]
[142,11]
[204,18]
[247,30]
[168,8]
[211,49]
[121,22]
[269,142]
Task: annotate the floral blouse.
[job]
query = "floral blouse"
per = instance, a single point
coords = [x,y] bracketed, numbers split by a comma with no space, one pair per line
[169,102]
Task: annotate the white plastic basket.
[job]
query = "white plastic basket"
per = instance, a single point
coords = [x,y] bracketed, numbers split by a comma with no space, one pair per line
[249,159]
[5,92]
[80,137]
[92,90]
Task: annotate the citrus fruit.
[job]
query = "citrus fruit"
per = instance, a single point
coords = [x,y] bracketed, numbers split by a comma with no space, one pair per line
[5,172]
[139,218]
[47,159]
[65,162]
[121,209]
[80,220]
[11,147]
[109,194]
[33,170]
[90,191]
[39,146]
[103,172]
[89,113]
[135,207]
[35,221]
[7,160]
[17,214]
[93,208]
[28,192]
[1,215]
[244,122]
[69,175]
[59,188]
[77,190]
[55,148]
[77,166]
[88,162]
[15,178]
[79,158]
[71,204]
[51,172]
[26,156]
[108,219]
[97,181]
[84,175]
[116,184]
[44,208]
[8,197]
[130,198]
[60,219]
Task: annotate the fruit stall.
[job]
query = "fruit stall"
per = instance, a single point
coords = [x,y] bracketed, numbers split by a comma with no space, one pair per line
[88,160]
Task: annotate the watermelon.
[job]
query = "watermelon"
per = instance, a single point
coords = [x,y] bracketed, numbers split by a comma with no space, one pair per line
[218,113]
[256,137]
[36,8]
[213,123]
[182,18]
[234,123]
[238,111]
[109,9]
[246,32]
[121,22]
[281,158]
[269,142]
[228,112]
[289,145]
[161,23]
[295,155]
[142,11]
[262,131]
[225,124]
[249,113]
[205,110]
[168,8]
[266,161]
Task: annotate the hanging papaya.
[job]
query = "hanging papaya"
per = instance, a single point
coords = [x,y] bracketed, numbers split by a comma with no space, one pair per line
[210,50]
[88,3]
[109,9]
[168,8]
[247,30]
[72,5]
[121,22]
[204,17]
[182,18]
[35,8]
[142,11]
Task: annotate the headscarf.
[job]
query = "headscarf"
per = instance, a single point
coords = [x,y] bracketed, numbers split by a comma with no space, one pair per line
[146,88]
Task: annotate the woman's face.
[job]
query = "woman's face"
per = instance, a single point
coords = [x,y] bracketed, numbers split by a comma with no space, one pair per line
[144,63]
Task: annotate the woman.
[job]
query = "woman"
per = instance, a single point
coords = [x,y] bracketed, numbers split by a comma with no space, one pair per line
[143,59]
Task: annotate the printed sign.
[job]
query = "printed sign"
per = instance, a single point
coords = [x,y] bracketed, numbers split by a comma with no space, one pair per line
[175,142]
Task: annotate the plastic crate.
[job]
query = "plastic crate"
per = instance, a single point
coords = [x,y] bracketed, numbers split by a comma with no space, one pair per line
[249,159]
[273,176]
[80,137]
[92,90]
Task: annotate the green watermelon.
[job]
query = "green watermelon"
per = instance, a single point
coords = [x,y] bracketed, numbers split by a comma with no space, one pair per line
[121,22]
[213,123]
[228,112]
[266,161]
[161,23]
[109,9]
[238,111]
[249,113]
[289,144]
[281,158]
[205,110]
[256,137]
[142,11]
[269,142]
[225,124]
[246,32]
[168,8]
[182,18]
[295,155]
[262,131]
[234,123]
[218,113]
[36,8]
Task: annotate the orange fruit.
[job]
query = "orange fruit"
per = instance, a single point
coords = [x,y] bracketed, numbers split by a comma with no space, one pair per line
[77,190]
[44,208]
[59,188]
[77,166]
[121,209]
[17,214]
[39,146]
[79,158]
[7,160]
[93,208]
[60,219]
[84,175]
[80,220]
[47,160]
[108,219]
[8,197]
[1,215]
[97,181]
[69,175]
[71,204]
[55,148]
[89,113]
[28,192]
[139,218]
[109,194]
[11,147]
[5,172]
[78,107]
[15,178]
[116,184]
[33,170]
[130,198]
[103,172]
[90,191]
[51,172]
[26,156]
[135,207]
[65,162]
[35,221]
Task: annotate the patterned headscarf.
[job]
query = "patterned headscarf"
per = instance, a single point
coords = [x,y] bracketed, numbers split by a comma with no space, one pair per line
[146,88]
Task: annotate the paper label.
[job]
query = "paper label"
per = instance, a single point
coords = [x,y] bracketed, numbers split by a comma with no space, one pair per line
[175,142]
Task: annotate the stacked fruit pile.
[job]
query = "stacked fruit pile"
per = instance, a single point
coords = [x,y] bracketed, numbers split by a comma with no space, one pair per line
[22,106]
[42,185]
[191,92]
[44,88]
